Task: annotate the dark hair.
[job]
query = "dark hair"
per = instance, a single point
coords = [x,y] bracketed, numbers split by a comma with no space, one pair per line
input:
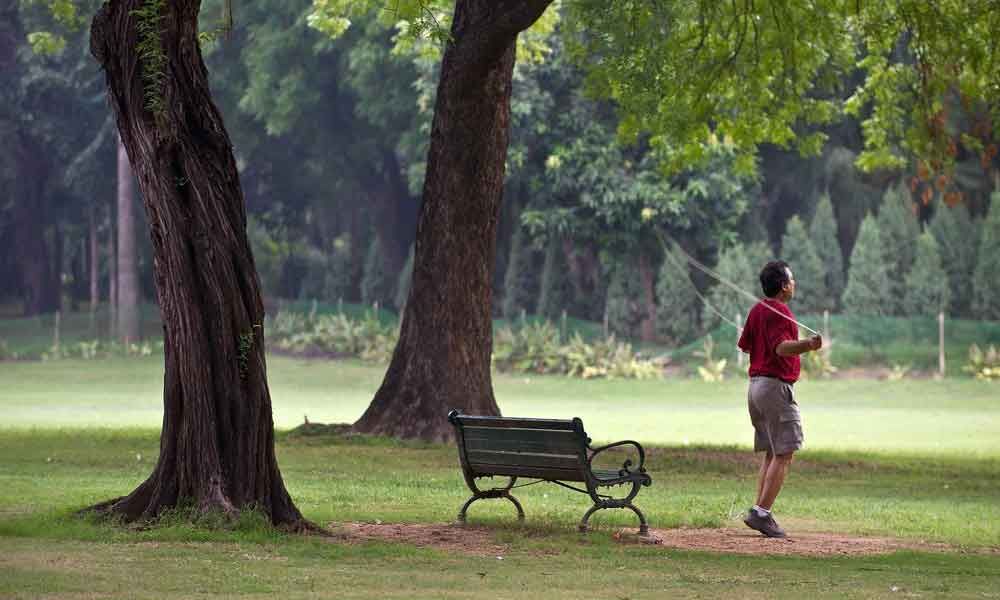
[773,277]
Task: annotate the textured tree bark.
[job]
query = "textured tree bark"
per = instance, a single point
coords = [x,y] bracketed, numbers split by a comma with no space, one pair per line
[128,263]
[217,441]
[442,360]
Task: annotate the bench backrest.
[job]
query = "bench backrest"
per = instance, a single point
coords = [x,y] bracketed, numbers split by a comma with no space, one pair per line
[538,448]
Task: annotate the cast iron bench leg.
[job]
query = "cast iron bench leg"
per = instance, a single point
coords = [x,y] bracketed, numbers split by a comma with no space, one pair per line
[465,507]
[643,526]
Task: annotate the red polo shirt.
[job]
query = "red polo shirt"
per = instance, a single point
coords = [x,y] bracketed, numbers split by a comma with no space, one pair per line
[762,333]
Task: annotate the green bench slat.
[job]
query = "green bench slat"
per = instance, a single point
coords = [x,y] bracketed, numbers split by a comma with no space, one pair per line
[529,472]
[547,461]
[506,422]
[529,440]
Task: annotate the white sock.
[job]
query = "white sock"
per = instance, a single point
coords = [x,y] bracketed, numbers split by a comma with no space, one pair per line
[761,512]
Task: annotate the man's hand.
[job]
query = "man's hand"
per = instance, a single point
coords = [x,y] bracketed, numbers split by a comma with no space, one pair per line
[816,342]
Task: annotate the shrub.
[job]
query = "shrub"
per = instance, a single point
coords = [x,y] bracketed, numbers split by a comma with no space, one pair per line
[983,365]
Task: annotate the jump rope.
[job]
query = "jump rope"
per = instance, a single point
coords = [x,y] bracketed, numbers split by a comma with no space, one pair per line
[704,269]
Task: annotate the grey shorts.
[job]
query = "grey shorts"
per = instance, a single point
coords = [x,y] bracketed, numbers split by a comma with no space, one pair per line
[775,416]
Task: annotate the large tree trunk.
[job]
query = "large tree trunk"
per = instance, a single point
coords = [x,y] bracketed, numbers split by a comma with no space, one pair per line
[442,360]
[217,441]
[128,263]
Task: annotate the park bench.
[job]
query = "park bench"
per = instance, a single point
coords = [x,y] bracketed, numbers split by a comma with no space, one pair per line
[552,450]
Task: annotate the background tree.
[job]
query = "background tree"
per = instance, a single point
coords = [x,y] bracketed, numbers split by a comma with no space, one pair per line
[677,301]
[867,277]
[556,292]
[127,269]
[986,278]
[898,232]
[741,265]
[520,280]
[957,236]
[927,289]
[811,295]
[626,311]
[823,231]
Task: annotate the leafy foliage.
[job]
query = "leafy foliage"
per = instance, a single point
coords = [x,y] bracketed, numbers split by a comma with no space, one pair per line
[333,335]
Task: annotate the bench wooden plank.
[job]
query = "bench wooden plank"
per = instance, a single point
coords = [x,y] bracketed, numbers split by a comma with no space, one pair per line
[549,461]
[530,472]
[509,422]
[531,440]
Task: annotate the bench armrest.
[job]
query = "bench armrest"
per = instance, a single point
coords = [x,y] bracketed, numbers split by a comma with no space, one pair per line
[628,462]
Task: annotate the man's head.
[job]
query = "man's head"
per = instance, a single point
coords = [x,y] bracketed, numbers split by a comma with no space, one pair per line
[776,280]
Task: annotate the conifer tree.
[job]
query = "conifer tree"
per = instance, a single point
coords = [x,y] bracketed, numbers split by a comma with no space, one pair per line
[556,291]
[898,231]
[927,290]
[734,264]
[676,301]
[625,311]
[798,251]
[867,284]
[375,283]
[520,280]
[986,278]
[403,283]
[823,230]
[957,236]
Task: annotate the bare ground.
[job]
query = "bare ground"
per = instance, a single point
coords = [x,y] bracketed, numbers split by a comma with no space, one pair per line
[480,541]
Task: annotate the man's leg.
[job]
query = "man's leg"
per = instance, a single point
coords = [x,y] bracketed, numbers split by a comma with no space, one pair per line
[762,476]
[773,479]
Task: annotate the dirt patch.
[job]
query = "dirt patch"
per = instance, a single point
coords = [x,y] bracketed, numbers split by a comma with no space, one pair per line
[442,536]
[745,541]
[480,540]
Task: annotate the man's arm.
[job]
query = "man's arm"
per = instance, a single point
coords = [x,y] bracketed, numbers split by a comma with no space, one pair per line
[796,347]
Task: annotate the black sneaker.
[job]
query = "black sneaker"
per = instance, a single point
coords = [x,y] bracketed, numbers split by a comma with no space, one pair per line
[766,525]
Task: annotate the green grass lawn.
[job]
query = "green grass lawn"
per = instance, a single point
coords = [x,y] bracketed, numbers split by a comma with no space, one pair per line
[923,416]
[917,460]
